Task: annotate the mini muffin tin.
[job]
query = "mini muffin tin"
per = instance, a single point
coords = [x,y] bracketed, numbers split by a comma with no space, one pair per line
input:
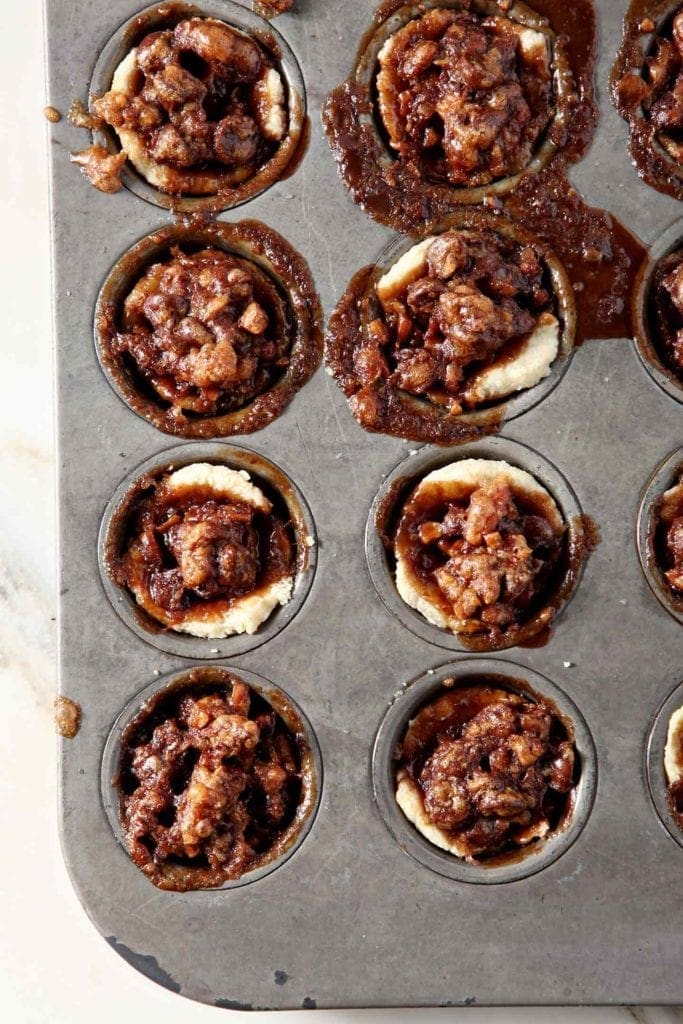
[347,919]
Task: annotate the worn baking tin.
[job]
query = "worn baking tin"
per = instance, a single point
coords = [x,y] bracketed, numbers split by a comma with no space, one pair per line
[349,920]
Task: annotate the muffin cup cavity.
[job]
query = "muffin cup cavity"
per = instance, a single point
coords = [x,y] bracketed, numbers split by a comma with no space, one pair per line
[198,681]
[283,271]
[580,539]
[667,474]
[277,486]
[290,149]
[516,679]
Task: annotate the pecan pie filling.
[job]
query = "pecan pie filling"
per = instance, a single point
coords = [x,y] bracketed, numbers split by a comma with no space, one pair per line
[668,536]
[199,108]
[647,86]
[460,321]
[673,766]
[666,311]
[207,331]
[464,99]
[212,785]
[485,772]
[479,548]
[204,552]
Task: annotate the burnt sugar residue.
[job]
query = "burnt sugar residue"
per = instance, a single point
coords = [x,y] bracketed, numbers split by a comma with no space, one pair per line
[407,193]
[647,90]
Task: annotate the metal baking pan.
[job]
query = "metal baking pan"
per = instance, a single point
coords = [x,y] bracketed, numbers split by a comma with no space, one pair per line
[350,919]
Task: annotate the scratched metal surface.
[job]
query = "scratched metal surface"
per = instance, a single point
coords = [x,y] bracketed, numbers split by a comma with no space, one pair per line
[350,919]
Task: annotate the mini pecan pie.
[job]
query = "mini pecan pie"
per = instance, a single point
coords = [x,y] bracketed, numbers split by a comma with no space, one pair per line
[212,784]
[199,108]
[484,771]
[673,766]
[479,547]
[207,331]
[460,321]
[463,98]
[204,552]
[666,311]
[668,536]
[648,91]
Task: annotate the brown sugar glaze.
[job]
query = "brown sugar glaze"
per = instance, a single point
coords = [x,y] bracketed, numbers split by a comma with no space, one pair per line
[632,92]
[600,255]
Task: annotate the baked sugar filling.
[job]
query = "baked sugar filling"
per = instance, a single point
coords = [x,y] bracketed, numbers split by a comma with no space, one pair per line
[482,771]
[465,318]
[207,331]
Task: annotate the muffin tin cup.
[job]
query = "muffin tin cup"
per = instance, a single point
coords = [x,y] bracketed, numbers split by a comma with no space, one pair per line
[289,711]
[261,470]
[159,15]
[366,66]
[664,477]
[408,702]
[400,482]
[660,373]
[281,264]
[654,763]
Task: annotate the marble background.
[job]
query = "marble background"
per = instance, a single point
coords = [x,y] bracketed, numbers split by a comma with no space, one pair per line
[53,966]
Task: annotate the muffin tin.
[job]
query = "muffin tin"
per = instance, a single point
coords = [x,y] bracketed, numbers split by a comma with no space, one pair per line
[348,919]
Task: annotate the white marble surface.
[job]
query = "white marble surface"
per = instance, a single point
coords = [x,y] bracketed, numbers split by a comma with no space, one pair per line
[53,966]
